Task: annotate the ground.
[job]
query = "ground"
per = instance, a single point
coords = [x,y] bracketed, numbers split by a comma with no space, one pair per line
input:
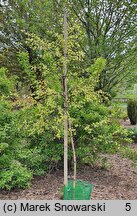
[119,181]
[126,124]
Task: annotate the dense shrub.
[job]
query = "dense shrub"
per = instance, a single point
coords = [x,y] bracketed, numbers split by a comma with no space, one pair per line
[15,175]
[97,131]
[31,137]
[12,172]
[132,111]
[133,134]
[28,145]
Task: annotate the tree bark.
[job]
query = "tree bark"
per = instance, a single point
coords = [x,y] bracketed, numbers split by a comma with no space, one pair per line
[74,154]
[65,101]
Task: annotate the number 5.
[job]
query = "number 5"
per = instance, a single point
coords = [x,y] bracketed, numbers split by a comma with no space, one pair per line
[128,207]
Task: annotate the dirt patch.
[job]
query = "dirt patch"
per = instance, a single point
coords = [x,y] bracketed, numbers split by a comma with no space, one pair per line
[127,124]
[118,182]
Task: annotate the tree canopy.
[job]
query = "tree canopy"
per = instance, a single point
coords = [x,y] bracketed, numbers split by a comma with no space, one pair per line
[105,29]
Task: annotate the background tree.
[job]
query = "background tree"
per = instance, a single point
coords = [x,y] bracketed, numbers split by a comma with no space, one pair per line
[110,32]
[19,18]
[106,29]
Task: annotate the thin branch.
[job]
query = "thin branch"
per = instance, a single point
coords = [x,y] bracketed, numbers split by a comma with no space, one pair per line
[74,153]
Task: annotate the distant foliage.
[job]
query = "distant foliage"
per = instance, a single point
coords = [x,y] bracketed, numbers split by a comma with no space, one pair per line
[6,85]
[132,111]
